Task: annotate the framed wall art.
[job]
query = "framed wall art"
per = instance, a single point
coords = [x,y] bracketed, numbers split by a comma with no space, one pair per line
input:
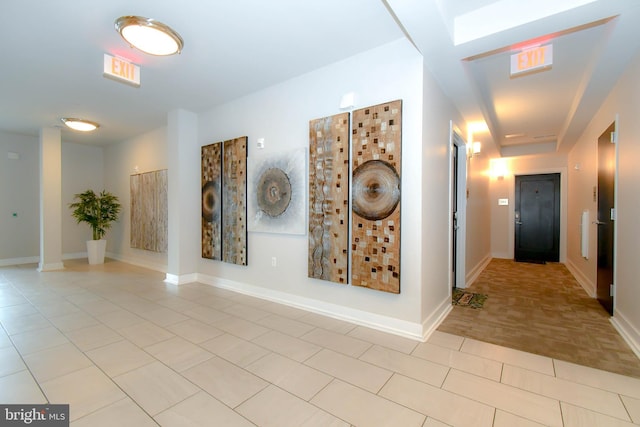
[277,192]
[211,160]
[234,201]
[328,255]
[224,201]
[375,196]
[149,211]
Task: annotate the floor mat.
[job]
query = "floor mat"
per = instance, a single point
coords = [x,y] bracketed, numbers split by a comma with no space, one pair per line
[467,299]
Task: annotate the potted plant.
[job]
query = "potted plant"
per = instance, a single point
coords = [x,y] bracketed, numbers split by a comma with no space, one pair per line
[99,211]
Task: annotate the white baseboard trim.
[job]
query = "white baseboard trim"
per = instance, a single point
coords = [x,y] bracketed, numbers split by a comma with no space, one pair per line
[501,255]
[475,271]
[75,255]
[629,333]
[438,316]
[52,266]
[175,279]
[364,318]
[587,285]
[19,261]
[137,262]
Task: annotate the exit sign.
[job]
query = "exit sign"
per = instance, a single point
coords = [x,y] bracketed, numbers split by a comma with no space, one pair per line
[532,59]
[121,70]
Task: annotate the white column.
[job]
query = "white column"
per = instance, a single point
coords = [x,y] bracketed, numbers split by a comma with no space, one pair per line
[50,200]
[183,197]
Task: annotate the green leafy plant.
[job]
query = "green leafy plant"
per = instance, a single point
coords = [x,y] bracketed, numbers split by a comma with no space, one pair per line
[97,210]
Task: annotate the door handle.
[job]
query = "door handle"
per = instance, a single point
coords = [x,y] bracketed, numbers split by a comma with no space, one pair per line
[596,222]
[518,222]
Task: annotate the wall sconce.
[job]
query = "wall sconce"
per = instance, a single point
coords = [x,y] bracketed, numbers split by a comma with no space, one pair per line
[499,168]
[474,149]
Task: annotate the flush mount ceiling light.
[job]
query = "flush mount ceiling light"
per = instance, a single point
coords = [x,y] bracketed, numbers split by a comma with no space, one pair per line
[80,124]
[149,35]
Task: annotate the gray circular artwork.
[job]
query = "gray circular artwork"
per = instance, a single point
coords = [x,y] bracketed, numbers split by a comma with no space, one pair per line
[210,201]
[376,190]
[274,192]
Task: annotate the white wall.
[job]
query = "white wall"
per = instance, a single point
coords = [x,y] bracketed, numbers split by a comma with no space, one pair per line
[145,153]
[82,169]
[281,115]
[19,194]
[432,227]
[624,102]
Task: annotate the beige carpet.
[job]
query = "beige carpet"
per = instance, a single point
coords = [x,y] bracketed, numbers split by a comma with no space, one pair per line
[542,309]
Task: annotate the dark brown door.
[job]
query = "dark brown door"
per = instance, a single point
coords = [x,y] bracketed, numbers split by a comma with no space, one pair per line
[606,215]
[454,214]
[537,216]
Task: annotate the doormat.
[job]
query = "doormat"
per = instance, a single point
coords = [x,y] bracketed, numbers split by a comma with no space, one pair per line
[467,299]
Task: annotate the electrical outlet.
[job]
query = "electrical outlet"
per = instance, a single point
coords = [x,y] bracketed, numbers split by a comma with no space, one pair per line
[274,261]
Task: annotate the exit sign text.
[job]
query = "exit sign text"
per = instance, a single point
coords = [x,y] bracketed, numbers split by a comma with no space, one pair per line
[532,59]
[121,70]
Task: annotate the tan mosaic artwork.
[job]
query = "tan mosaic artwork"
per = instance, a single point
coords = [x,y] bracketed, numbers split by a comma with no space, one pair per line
[376,161]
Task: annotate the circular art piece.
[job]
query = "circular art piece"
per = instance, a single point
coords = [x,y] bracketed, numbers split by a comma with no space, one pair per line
[274,192]
[210,201]
[376,190]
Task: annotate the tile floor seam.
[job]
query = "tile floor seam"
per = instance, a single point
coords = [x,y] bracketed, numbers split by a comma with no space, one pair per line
[578,405]
[427,416]
[555,401]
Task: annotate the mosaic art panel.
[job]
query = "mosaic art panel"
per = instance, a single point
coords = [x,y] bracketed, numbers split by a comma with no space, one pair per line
[329,198]
[211,159]
[149,211]
[234,201]
[277,190]
[376,176]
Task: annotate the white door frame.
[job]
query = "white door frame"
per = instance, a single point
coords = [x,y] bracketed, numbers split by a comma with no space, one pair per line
[455,139]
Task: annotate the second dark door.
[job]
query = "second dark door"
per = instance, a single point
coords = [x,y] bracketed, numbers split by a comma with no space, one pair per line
[537,217]
[606,216]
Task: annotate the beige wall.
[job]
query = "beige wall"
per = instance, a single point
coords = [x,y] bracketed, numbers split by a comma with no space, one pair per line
[478,213]
[503,187]
[623,102]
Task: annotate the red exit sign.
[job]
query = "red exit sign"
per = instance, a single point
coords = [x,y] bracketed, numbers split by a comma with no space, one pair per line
[532,59]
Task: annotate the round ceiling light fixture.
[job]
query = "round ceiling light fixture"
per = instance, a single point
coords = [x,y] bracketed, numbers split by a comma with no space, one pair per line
[80,124]
[149,35]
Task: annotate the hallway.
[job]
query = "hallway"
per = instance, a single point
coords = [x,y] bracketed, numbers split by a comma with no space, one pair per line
[541,309]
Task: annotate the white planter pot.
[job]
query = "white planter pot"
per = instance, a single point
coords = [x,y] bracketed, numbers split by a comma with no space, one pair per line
[96,250]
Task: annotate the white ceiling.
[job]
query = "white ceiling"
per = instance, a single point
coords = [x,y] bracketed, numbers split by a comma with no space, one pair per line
[53,68]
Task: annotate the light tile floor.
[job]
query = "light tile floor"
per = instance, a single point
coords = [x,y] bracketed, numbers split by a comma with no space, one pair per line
[124,348]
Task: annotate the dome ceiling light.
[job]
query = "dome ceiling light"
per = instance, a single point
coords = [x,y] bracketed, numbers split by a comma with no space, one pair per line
[149,35]
[80,124]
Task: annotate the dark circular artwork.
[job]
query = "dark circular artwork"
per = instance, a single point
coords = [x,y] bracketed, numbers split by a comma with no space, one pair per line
[274,192]
[210,201]
[376,190]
